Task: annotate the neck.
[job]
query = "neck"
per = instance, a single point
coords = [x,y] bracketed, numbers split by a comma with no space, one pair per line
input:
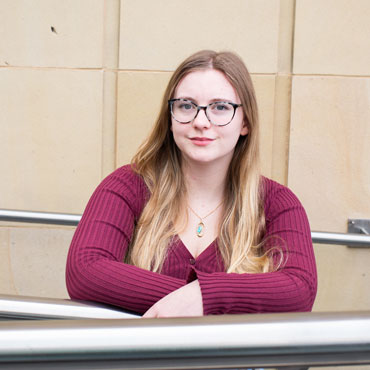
[205,183]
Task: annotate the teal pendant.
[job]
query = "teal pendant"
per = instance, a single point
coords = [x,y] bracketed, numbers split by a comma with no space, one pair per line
[200,229]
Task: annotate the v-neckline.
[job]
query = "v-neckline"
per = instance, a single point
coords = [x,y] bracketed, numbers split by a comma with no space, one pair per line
[185,248]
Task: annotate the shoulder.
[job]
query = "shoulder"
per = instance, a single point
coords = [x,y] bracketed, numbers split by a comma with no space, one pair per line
[125,174]
[125,184]
[278,198]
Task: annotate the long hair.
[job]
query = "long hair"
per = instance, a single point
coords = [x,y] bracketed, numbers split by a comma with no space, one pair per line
[158,161]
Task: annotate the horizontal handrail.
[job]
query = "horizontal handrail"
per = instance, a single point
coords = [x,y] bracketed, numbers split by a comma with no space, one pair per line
[355,240]
[217,342]
[39,217]
[352,240]
[13,307]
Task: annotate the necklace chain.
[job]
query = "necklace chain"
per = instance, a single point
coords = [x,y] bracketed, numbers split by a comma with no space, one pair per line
[203,218]
[201,226]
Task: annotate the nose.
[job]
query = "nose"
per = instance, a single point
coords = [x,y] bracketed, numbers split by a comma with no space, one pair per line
[201,120]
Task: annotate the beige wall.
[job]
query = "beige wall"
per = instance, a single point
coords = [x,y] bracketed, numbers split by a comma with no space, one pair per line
[81,82]
[329,141]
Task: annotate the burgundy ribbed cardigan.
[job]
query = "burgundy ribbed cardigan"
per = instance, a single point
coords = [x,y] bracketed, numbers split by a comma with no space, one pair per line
[95,270]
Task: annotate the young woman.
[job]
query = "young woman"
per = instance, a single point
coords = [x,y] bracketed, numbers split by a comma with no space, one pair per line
[191,227]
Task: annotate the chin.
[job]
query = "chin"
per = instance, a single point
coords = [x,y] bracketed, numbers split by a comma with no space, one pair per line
[200,159]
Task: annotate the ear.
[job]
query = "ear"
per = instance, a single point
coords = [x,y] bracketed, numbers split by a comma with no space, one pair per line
[244,130]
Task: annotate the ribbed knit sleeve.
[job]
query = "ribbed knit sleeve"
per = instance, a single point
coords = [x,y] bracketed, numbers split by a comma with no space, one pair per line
[95,270]
[292,287]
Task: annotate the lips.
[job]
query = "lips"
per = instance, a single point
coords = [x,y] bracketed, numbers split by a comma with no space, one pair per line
[201,139]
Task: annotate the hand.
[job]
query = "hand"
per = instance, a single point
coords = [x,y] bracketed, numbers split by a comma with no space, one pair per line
[185,301]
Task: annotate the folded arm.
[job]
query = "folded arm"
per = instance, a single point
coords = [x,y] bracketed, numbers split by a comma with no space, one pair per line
[95,269]
[291,288]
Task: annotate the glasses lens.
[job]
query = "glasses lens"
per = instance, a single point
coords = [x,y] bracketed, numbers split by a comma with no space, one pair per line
[220,113]
[183,110]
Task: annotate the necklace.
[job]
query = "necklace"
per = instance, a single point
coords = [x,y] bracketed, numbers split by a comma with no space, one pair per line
[201,226]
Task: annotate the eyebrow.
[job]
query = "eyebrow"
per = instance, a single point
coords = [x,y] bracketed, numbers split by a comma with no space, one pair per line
[212,100]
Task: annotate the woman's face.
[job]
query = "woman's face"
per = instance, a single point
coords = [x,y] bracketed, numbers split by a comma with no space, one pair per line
[200,141]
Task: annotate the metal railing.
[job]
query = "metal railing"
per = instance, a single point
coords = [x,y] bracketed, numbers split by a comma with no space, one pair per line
[13,307]
[355,240]
[39,217]
[212,342]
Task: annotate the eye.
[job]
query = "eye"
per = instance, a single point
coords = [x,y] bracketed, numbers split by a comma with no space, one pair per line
[220,107]
[185,106]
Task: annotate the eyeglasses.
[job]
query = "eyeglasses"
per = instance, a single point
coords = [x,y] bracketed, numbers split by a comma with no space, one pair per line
[219,113]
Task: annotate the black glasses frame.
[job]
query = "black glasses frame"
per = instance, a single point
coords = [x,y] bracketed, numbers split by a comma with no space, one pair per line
[203,107]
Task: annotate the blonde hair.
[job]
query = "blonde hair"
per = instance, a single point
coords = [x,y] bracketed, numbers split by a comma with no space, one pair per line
[158,161]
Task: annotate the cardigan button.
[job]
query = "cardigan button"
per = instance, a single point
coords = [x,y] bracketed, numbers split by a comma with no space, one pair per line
[192,261]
